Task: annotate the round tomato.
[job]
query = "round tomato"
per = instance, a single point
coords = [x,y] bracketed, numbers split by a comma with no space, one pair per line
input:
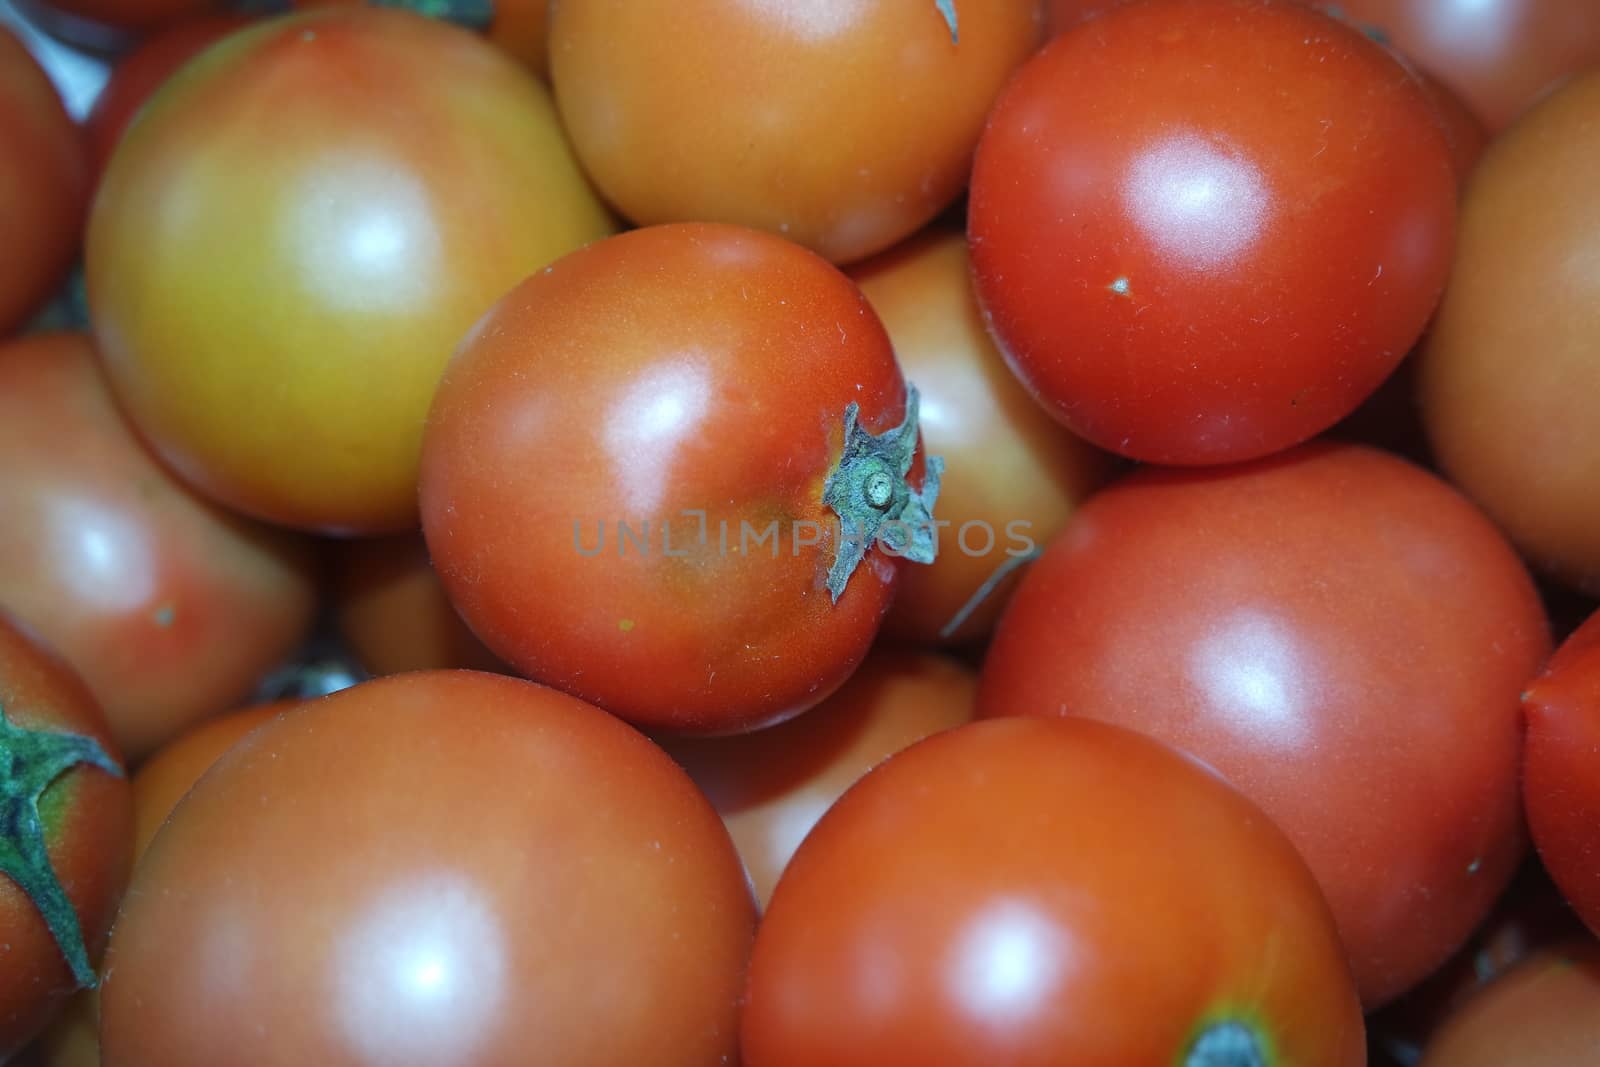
[1545,1013]
[843,126]
[1223,254]
[169,607]
[667,474]
[64,851]
[445,867]
[1013,476]
[771,786]
[1520,434]
[1561,776]
[1031,892]
[44,185]
[297,232]
[520,27]
[1342,636]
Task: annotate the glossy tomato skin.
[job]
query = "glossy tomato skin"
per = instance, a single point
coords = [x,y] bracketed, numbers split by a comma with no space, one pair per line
[1561,775]
[88,824]
[1519,434]
[477,862]
[670,371]
[1044,892]
[843,126]
[43,185]
[398,176]
[1012,474]
[772,785]
[1342,636]
[1224,255]
[169,607]
[1545,1013]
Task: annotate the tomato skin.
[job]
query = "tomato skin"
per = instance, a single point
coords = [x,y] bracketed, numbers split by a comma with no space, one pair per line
[1223,256]
[794,118]
[1561,771]
[524,847]
[1008,466]
[1545,1013]
[1043,892]
[321,203]
[1273,619]
[1520,435]
[663,371]
[772,785]
[44,185]
[88,818]
[520,27]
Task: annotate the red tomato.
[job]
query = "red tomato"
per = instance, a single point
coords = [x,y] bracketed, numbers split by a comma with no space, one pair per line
[844,126]
[1047,893]
[1343,637]
[1223,255]
[64,854]
[43,185]
[628,469]
[1561,774]
[1546,1013]
[170,608]
[771,786]
[428,869]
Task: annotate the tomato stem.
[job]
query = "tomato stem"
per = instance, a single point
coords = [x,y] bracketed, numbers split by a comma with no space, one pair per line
[1226,1044]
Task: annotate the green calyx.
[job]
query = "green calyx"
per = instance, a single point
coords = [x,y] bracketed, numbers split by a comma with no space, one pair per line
[30,760]
[1227,1043]
[875,504]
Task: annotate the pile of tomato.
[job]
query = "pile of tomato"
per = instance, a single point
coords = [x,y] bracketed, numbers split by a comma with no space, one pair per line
[803,533]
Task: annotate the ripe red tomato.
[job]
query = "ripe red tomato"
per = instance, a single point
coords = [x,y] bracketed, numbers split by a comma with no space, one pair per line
[1546,1013]
[64,850]
[1013,476]
[844,126]
[1520,434]
[294,236]
[170,608]
[628,473]
[1032,892]
[1561,773]
[1205,230]
[1342,636]
[433,868]
[771,786]
[44,185]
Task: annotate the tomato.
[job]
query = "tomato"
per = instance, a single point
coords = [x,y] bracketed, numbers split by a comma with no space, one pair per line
[519,27]
[1032,892]
[1223,255]
[843,126]
[68,822]
[43,185]
[295,235]
[1546,1013]
[1465,132]
[392,612]
[647,473]
[169,607]
[771,786]
[1519,435]
[1336,631]
[1500,55]
[1013,476]
[1561,779]
[1062,15]
[477,862]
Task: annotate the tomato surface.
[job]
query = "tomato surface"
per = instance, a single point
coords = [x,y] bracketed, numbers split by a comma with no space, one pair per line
[771,786]
[1561,773]
[169,607]
[1508,376]
[625,470]
[68,822]
[1012,475]
[296,234]
[1341,635]
[1205,230]
[1047,892]
[433,868]
[1545,1013]
[44,185]
[519,27]
[843,126]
